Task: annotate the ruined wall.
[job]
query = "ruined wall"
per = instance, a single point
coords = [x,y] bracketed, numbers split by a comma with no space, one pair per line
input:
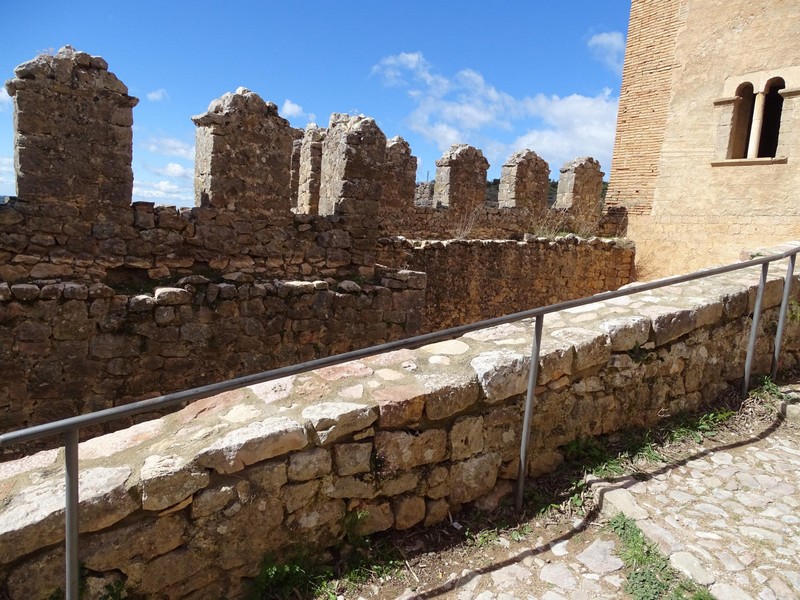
[243,155]
[71,348]
[77,337]
[524,181]
[310,172]
[186,506]
[353,155]
[523,275]
[579,193]
[461,179]
[685,61]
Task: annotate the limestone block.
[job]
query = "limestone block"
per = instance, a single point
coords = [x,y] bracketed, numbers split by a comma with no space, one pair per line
[670,323]
[400,405]
[213,500]
[147,539]
[34,518]
[351,486]
[401,451]
[299,495]
[166,480]
[501,374]
[625,333]
[408,511]
[309,465]
[352,459]
[449,393]
[253,443]
[334,420]
[167,296]
[318,515]
[491,500]
[472,478]
[269,476]
[466,437]
[591,347]
[399,484]
[556,357]
[436,511]
[371,518]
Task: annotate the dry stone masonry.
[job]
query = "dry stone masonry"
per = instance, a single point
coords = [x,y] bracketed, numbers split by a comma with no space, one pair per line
[524,181]
[310,171]
[103,301]
[353,155]
[171,507]
[72,139]
[580,187]
[244,154]
[461,178]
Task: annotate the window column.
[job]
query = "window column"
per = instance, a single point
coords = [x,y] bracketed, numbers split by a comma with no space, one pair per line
[755,128]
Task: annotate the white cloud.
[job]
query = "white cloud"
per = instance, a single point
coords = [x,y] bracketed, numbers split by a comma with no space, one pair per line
[292,110]
[609,48]
[168,146]
[5,100]
[157,95]
[6,165]
[172,170]
[163,191]
[465,108]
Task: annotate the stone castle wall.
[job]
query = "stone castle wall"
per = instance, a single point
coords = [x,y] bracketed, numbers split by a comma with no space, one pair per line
[75,255]
[186,506]
[71,348]
[525,274]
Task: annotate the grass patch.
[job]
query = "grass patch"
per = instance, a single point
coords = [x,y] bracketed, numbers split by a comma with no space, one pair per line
[651,577]
[303,578]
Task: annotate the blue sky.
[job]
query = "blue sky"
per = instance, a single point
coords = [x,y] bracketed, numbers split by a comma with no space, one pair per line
[501,75]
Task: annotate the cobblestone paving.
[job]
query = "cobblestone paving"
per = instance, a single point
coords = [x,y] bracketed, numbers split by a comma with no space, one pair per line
[729,518]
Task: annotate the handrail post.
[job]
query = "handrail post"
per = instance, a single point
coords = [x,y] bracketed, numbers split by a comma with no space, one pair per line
[787,290]
[71,516]
[533,377]
[751,345]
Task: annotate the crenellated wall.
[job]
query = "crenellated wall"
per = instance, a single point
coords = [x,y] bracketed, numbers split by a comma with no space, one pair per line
[76,256]
[186,506]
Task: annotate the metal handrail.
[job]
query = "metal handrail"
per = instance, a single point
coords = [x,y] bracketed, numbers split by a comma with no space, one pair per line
[69,427]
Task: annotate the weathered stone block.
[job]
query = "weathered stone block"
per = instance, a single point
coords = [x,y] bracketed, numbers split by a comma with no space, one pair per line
[253,443]
[309,465]
[472,478]
[408,511]
[166,480]
[400,451]
[466,437]
[352,459]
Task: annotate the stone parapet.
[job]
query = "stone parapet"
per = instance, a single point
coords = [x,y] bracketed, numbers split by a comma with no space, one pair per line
[170,506]
[69,348]
[580,189]
[243,156]
[461,179]
[353,156]
[524,181]
[523,274]
[73,136]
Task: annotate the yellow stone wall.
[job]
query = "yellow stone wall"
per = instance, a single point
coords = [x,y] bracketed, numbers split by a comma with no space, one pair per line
[687,207]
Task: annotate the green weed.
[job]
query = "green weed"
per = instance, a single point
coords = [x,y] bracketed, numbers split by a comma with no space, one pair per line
[651,577]
[298,579]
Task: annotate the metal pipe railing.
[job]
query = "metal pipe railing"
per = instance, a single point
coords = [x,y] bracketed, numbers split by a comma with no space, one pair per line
[70,427]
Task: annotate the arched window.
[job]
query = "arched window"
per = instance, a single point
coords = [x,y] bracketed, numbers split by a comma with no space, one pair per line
[742,121]
[771,126]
